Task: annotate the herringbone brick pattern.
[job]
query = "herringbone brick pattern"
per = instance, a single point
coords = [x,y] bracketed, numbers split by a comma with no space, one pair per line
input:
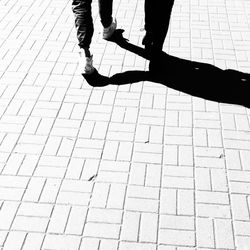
[137,166]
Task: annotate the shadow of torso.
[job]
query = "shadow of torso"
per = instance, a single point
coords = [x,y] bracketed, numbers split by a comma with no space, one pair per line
[201,79]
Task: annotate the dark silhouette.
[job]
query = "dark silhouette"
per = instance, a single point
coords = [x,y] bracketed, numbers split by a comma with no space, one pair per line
[198,79]
[157,18]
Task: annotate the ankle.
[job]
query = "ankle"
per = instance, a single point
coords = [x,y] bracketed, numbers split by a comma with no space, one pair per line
[106,26]
[86,52]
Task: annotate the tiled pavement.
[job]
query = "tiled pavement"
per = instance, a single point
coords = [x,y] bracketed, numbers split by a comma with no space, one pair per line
[140,166]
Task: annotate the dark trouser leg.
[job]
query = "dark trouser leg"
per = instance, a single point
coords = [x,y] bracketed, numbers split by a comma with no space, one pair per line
[161,30]
[157,18]
[83,22]
[150,15]
[149,10]
[105,11]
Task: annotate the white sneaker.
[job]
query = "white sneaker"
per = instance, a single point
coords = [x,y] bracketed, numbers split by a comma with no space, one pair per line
[108,32]
[86,63]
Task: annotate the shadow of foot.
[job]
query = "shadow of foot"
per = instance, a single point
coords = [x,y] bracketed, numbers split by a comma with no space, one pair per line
[96,80]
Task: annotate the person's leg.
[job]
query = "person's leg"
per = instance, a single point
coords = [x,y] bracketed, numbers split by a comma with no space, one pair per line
[150,15]
[149,10]
[83,22]
[157,18]
[105,11]
[161,27]
[85,30]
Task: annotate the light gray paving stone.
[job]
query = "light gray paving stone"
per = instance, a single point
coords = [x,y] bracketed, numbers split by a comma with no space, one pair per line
[176,237]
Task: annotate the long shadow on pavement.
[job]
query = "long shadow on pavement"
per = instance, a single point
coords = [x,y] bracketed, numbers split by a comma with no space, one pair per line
[195,78]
